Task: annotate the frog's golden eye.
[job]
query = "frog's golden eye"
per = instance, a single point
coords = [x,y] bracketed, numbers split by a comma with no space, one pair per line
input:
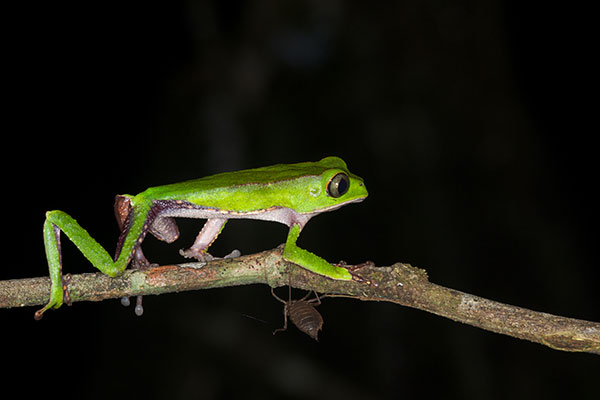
[338,185]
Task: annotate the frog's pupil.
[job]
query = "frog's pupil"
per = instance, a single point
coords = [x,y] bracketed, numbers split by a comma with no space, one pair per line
[338,185]
[342,185]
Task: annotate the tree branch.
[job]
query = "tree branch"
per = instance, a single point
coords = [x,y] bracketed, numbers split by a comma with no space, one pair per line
[400,283]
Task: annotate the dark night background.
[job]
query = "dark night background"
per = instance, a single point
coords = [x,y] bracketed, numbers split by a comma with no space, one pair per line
[473,124]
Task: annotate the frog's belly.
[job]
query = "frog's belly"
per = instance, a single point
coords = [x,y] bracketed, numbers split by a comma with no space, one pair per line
[183,209]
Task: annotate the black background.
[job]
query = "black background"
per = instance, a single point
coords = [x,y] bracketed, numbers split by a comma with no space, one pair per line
[473,124]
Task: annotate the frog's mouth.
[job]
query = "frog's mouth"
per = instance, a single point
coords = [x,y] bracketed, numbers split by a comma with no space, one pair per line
[336,206]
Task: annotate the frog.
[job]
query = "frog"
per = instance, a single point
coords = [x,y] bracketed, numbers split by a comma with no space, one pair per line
[290,194]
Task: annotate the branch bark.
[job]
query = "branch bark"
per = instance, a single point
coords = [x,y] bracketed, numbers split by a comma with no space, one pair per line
[399,283]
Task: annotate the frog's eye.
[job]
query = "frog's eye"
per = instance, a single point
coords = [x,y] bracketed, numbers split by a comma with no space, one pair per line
[338,185]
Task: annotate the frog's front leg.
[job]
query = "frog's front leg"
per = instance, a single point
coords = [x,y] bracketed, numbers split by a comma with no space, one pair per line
[308,260]
[211,229]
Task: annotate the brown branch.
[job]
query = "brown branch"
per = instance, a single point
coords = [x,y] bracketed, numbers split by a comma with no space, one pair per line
[399,283]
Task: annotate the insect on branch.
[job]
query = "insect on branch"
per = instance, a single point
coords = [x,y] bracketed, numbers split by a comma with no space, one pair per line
[303,314]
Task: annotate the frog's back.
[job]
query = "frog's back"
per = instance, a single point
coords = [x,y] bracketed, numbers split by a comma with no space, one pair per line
[245,190]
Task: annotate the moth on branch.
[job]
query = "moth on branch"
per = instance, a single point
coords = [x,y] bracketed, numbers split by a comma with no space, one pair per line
[399,283]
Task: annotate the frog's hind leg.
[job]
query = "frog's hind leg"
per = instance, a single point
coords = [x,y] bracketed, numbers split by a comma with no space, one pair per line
[58,221]
[58,292]
[211,229]
[140,262]
[163,228]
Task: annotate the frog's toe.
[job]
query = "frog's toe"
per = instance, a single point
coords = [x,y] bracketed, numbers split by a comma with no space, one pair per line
[197,254]
[40,313]
[66,279]
[234,254]
[139,309]
[56,300]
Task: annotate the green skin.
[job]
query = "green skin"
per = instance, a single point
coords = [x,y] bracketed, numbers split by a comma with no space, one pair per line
[287,193]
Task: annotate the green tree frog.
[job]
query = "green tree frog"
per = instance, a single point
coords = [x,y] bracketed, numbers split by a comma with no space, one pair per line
[287,193]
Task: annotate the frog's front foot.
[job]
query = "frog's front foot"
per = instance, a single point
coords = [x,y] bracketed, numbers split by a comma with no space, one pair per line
[204,256]
[199,255]
[355,269]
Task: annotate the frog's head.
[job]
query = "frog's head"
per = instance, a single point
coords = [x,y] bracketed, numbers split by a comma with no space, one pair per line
[333,187]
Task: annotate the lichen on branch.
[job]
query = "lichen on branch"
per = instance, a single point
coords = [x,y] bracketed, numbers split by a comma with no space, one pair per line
[399,283]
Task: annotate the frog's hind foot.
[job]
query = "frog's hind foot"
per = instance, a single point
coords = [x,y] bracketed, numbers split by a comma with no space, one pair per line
[66,279]
[58,296]
[139,262]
